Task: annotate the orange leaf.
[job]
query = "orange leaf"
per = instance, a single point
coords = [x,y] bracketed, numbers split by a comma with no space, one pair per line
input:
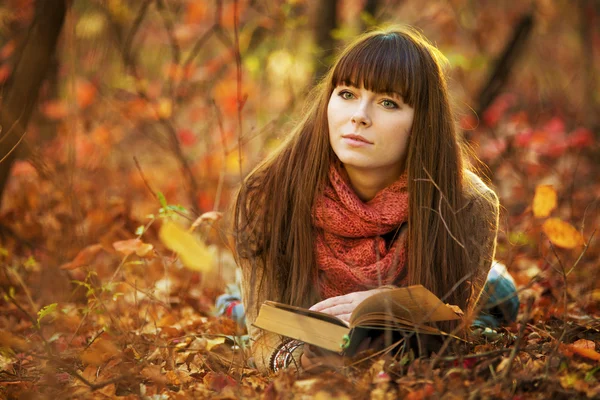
[99,352]
[585,348]
[544,200]
[55,109]
[85,92]
[562,234]
[131,246]
[195,13]
[9,340]
[84,257]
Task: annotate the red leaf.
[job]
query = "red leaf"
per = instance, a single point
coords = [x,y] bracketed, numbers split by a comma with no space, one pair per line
[523,139]
[4,73]
[8,49]
[555,126]
[186,137]
[581,137]
[218,381]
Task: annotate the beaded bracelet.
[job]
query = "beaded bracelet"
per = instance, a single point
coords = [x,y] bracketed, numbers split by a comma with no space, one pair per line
[283,357]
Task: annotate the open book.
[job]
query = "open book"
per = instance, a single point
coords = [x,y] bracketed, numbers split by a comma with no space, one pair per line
[406,309]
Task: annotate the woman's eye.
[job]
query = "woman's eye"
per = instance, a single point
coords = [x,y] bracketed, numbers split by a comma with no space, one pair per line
[346,95]
[389,104]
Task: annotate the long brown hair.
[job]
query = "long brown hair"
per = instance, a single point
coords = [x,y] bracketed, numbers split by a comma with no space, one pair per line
[273,222]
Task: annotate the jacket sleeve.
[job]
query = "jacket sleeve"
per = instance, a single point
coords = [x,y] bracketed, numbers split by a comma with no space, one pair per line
[483,215]
[263,344]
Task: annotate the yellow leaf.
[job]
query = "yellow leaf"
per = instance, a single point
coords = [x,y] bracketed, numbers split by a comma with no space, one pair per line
[210,343]
[165,109]
[562,233]
[544,201]
[194,254]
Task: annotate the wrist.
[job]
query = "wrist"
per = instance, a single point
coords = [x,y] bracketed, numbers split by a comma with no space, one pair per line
[287,355]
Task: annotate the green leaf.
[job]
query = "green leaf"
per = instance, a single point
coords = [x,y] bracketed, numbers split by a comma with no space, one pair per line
[176,207]
[589,376]
[46,310]
[31,262]
[140,230]
[162,200]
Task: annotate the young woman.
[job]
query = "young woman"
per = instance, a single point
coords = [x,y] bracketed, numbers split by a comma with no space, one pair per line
[369,190]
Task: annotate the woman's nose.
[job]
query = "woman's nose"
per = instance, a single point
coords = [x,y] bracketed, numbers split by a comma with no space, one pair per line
[361,116]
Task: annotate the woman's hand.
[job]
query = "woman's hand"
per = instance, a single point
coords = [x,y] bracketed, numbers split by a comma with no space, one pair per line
[342,306]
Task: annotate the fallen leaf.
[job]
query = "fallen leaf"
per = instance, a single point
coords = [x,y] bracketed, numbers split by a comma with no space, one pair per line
[544,201]
[585,348]
[11,341]
[131,246]
[84,257]
[99,352]
[562,234]
[217,381]
[194,254]
[210,343]
[153,372]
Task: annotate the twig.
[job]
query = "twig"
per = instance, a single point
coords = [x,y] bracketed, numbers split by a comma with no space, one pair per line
[517,345]
[582,253]
[139,168]
[238,69]
[135,27]
[175,50]
[199,44]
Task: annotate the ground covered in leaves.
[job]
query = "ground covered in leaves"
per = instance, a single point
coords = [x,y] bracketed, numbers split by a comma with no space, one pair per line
[125,315]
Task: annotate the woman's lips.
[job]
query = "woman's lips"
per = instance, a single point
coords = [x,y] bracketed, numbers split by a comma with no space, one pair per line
[355,140]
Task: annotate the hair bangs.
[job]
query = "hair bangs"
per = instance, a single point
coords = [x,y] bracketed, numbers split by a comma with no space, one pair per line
[385,63]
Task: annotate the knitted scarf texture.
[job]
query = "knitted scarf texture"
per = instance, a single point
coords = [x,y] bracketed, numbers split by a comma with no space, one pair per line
[351,253]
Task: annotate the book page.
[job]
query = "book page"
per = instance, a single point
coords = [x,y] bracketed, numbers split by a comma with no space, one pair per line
[413,303]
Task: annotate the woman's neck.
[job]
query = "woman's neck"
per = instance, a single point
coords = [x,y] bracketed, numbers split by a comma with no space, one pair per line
[368,182]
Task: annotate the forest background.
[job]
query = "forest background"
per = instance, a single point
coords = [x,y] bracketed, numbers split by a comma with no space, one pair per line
[126,127]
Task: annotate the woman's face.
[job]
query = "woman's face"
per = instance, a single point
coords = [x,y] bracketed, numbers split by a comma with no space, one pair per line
[368,131]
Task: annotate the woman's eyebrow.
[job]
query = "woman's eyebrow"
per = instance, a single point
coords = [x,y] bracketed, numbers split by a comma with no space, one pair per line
[393,94]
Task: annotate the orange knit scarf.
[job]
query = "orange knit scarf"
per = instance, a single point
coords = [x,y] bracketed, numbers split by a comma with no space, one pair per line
[359,246]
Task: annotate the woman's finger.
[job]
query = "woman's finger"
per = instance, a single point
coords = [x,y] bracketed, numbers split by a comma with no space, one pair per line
[338,310]
[330,302]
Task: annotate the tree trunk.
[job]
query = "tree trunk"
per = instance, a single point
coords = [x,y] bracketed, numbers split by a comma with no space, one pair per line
[30,70]
[501,72]
[325,23]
